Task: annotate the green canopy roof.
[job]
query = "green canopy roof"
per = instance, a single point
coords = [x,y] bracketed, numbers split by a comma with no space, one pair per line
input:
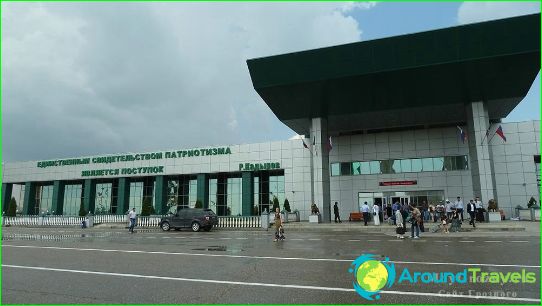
[415,79]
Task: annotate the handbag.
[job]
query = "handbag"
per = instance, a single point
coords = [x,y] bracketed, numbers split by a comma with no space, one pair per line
[400,230]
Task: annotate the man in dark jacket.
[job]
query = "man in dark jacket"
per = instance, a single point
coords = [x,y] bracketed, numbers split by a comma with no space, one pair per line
[336,212]
[471,210]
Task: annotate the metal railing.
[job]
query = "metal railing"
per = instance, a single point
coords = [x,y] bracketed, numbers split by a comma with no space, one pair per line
[32,220]
[239,222]
[150,221]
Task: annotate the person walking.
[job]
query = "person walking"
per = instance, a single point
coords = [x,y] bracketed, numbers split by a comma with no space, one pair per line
[394,208]
[479,210]
[278,224]
[132,215]
[449,209]
[444,220]
[416,220]
[336,212]
[365,211]
[471,210]
[459,207]
[376,214]
[400,230]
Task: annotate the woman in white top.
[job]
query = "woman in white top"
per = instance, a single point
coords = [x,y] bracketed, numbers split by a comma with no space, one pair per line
[399,221]
[376,214]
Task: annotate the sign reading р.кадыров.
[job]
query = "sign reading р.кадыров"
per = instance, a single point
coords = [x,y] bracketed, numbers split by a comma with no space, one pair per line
[259,166]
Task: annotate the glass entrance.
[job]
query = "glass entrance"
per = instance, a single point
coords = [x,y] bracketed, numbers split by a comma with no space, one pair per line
[384,199]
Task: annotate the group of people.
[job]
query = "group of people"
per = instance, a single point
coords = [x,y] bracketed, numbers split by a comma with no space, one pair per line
[449,215]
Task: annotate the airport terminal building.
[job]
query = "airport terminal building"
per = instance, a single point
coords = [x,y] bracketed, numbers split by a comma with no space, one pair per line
[413,118]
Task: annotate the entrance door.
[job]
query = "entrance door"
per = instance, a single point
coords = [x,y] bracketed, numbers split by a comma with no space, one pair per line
[401,200]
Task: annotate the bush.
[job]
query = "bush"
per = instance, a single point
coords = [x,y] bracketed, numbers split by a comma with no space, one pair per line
[82,210]
[276,204]
[12,208]
[147,209]
[199,204]
[287,205]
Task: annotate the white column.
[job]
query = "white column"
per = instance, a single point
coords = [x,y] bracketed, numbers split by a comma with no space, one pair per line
[320,167]
[481,167]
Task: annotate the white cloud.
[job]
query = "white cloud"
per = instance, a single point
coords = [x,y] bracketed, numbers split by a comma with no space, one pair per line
[93,78]
[470,12]
[296,136]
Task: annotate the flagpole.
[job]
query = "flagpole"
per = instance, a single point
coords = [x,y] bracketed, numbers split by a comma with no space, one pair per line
[487,133]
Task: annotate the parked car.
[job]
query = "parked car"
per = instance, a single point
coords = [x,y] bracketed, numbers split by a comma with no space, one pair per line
[194,218]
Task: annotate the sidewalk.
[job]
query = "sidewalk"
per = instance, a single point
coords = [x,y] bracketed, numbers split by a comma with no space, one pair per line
[520,227]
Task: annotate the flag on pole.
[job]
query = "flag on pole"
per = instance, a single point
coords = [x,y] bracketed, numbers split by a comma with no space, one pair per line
[486,136]
[329,144]
[462,134]
[500,133]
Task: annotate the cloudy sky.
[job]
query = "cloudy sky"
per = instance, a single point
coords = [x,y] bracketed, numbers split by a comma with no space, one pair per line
[97,78]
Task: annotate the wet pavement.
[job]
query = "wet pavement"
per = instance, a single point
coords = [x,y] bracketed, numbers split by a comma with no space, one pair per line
[66,265]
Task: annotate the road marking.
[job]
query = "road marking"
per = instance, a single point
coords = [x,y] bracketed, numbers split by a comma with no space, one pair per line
[373,240]
[466,241]
[492,241]
[314,239]
[225,238]
[260,257]
[296,239]
[267,284]
[243,238]
[180,237]
[353,240]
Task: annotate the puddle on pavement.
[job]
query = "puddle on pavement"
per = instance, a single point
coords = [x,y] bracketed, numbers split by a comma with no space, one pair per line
[51,237]
[219,248]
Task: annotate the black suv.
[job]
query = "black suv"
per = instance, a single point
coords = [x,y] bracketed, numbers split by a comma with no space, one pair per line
[195,218]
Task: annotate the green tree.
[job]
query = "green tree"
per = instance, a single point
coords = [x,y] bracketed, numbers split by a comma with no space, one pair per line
[199,204]
[287,205]
[147,209]
[275,204]
[12,208]
[82,210]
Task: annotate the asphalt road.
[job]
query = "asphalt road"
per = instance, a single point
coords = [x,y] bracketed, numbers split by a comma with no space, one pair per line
[152,267]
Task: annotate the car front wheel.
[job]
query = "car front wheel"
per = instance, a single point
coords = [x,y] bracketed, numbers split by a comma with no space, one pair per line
[195,227]
[165,226]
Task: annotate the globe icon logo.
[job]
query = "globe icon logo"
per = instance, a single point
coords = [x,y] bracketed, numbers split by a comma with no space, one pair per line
[372,275]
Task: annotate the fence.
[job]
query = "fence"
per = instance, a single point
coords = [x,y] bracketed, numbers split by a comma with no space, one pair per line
[42,221]
[239,222]
[151,221]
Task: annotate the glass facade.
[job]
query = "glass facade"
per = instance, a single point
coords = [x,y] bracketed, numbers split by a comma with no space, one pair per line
[235,197]
[182,191]
[73,196]
[225,194]
[141,191]
[106,198]
[391,166]
[44,200]
[268,185]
